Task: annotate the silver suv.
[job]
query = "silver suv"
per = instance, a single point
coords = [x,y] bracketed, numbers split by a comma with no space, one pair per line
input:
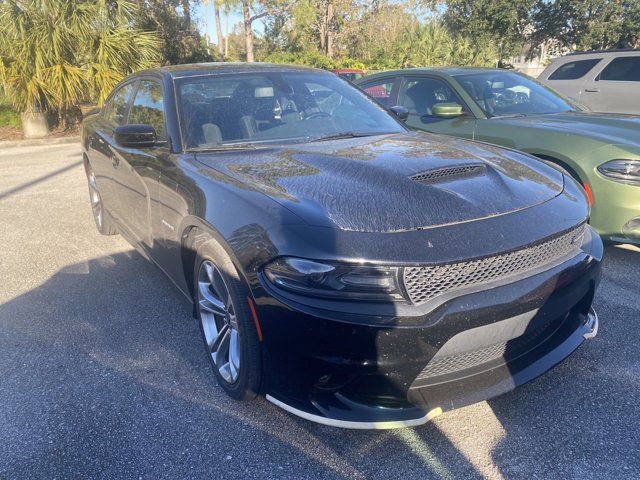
[604,81]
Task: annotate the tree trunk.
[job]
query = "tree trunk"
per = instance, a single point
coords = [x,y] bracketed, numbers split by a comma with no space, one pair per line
[187,12]
[216,11]
[248,31]
[330,29]
[34,124]
[226,37]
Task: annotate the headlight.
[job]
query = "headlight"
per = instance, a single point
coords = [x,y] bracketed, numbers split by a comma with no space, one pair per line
[625,171]
[335,280]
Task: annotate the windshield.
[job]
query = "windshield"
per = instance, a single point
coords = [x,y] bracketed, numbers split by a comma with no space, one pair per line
[508,93]
[265,107]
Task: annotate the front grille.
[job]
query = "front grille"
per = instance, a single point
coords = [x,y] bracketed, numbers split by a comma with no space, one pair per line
[494,354]
[425,283]
[448,173]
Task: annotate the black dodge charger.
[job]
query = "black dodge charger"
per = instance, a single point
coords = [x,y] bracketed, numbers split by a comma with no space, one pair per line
[356,273]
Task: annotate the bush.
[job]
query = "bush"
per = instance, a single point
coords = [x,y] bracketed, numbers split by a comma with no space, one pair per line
[8,116]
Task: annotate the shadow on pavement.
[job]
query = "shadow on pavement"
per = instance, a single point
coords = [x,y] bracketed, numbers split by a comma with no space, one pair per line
[104,375]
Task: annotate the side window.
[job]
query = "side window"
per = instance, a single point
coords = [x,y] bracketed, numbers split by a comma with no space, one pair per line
[421,94]
[622,69]
[116,109]
[574,70]
[148,108]
[380,90]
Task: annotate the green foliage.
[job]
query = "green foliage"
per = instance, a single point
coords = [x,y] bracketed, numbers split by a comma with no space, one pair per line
[502,22]
[180,41]
[310,58]
[56,54]
[432,45]
[588,24]
[8,116]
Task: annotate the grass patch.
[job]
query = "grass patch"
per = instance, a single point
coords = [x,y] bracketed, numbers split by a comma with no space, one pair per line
[8,116]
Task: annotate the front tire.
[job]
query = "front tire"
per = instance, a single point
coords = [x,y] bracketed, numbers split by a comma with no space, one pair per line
[229,333]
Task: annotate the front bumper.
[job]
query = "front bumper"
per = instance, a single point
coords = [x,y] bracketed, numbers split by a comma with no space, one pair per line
[400,370]
[616,210]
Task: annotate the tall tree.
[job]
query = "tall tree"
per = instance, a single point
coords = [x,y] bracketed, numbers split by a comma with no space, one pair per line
[588,24]
[252,11]
[502,21]
[180,40]
[216,13]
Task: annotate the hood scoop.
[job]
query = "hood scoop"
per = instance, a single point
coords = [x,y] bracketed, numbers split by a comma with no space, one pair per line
[447,174]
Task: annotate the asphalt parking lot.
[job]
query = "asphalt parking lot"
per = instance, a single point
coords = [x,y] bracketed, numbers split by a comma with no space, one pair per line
[103,375]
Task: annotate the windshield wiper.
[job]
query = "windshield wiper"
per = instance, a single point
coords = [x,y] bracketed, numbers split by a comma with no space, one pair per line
[222,147]
[342,135]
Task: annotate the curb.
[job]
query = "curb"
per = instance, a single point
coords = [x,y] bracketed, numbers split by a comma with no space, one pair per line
[40,141]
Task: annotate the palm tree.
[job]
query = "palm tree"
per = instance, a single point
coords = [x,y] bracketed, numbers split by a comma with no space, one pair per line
[56,54]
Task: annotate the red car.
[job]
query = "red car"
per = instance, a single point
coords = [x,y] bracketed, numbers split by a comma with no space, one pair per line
[351,74]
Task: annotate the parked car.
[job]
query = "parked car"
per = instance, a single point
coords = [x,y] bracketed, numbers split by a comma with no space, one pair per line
[351,74]
[601,151]
[604,81]
[357,273]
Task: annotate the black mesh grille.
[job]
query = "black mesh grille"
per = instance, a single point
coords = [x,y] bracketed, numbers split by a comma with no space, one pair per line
[448,173]
[498,353]
[425,283]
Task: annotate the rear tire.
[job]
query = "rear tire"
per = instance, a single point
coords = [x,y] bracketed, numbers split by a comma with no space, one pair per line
[226,323]
[101,217]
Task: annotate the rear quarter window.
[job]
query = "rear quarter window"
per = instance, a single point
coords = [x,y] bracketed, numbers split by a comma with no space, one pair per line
[574,70]
[622,69]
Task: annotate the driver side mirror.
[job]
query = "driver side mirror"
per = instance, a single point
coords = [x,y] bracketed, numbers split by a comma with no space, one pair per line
[399,111]
[135,136]
[447,110]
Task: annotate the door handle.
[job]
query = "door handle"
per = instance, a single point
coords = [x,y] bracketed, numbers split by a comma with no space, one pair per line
[592,90]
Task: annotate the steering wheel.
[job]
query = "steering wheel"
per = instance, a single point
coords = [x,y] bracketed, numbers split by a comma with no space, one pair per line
[317,114]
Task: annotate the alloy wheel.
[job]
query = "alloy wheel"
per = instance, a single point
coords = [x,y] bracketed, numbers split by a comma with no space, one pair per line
[96,202]
[219,322]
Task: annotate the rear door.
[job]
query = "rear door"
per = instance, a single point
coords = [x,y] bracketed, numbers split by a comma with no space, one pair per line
[616,88]
[419,94]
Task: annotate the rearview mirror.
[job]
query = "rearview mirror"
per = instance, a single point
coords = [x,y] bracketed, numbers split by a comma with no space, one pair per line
[447,110]
[135,136]
[399,111]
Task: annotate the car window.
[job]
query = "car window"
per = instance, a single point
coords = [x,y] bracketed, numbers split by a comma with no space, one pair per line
[421,94]
[116,108]
[266,107]
[504,93]
[380,90]
[622,69]
[148,107]
[574,70]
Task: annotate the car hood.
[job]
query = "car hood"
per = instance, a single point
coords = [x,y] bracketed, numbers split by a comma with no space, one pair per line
[366,184]
[610,128]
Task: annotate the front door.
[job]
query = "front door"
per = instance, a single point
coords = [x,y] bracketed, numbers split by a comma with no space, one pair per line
[139,169]
[420,94]
[103,155]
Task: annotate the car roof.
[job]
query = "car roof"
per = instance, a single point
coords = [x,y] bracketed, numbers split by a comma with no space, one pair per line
[199,69]
[577,56]
[611,51]
[439,71]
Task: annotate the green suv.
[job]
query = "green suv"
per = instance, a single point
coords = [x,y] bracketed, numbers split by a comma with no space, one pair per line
[602,151]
